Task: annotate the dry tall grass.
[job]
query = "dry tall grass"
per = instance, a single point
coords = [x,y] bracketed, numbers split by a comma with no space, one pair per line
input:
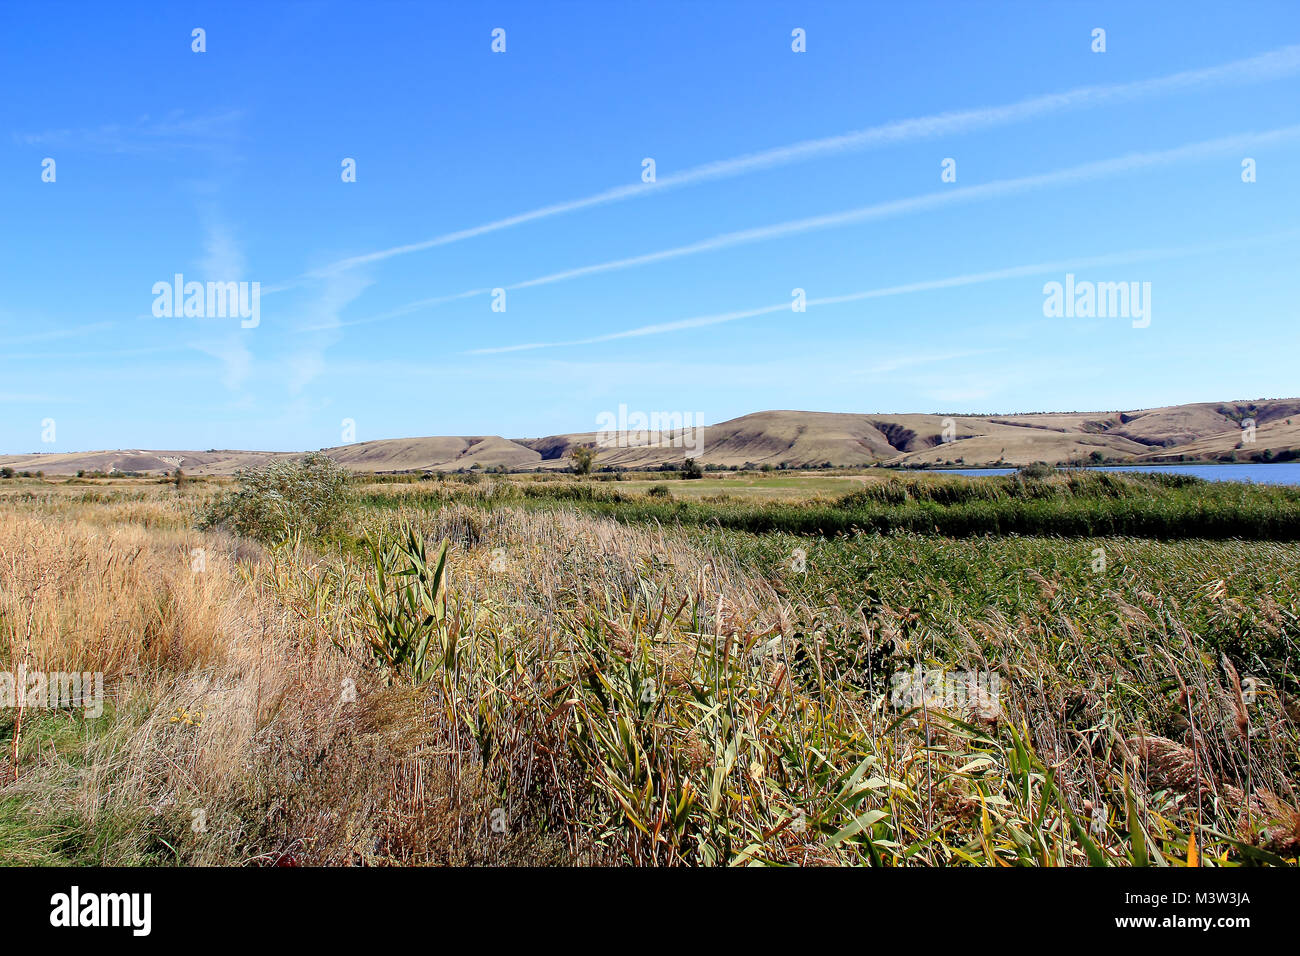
[615,694]
[231,732]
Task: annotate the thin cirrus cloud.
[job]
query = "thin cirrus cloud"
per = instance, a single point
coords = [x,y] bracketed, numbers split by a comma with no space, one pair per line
[176,131]
[223,256]
[307,363]
[76,332]
[1274,64]
[394,313]
[930,285]
[1100,169]
[912,361]
[1087,171]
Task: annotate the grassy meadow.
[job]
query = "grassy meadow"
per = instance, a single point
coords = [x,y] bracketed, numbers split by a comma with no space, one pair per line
[308,668]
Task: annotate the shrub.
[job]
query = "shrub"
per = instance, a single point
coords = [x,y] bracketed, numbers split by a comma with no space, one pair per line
[659,491]
[1038,469]
[307,496]
[583,456]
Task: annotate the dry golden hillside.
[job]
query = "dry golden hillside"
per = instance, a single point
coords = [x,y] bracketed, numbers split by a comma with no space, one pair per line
[793,438]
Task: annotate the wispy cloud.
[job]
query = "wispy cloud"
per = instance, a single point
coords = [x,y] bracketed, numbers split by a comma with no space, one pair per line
[393,313]
[175,132]
[308,363]
[1275,64]
[928,285]
[26,398]
[657,329]
[223,260]
[912,361]
[231,350]
[95,354]
[55,334]
[1101,169]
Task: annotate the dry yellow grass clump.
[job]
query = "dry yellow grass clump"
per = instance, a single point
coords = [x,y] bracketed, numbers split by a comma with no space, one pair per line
[231,731]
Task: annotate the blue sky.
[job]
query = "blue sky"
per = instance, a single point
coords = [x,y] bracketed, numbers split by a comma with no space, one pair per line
[226,166]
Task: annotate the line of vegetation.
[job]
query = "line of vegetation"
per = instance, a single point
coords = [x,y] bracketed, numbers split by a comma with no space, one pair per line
[1072,504]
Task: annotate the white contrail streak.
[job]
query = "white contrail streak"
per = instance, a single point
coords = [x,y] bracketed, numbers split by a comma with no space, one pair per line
[974,278]
[1100,169]
[1275,64]
[395,313]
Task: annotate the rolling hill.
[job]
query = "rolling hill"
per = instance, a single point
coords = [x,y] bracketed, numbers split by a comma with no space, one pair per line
[1205,431]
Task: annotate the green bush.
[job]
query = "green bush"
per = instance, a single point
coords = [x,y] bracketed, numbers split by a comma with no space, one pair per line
[1039,469]
[307,496]
[411,635]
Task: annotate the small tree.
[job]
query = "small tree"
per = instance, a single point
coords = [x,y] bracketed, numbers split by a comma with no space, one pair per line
[583,456]
[692,469]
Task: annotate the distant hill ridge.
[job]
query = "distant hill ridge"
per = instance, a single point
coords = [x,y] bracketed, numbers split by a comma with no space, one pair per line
[1204,431]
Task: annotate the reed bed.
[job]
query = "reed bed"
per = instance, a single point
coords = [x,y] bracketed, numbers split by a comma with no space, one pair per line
[1072,504]
[573,688]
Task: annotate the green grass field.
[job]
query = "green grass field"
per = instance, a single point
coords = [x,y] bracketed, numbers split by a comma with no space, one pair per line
[1068,504]
[763,487]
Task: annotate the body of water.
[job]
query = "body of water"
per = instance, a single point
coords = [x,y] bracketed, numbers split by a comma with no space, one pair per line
[1285,473]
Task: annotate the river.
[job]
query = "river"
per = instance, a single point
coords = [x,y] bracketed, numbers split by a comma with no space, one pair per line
[1283,473]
